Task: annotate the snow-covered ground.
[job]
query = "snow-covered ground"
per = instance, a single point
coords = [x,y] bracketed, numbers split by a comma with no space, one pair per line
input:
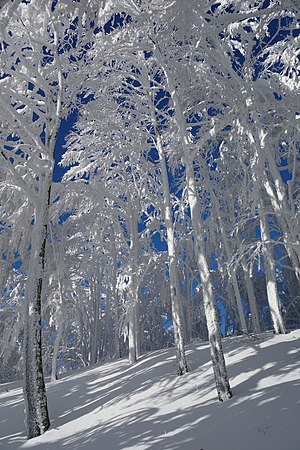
[114,406]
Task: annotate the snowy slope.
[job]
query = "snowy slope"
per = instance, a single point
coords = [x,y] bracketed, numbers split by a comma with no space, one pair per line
[114,406]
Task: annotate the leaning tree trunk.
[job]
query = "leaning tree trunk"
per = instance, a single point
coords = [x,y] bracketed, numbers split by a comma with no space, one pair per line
[177,315]
[36,411]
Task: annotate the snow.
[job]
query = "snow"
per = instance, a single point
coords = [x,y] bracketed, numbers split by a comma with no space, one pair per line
[147,406]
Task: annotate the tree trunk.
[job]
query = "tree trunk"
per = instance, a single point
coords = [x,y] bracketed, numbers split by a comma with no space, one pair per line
[214,336]
[115,314]
[188,328]
[251,298]
[177,316]
[133,336]
[116,338]
[277,197]
[219,367]
[36,411]
[270,274]
[267,251]
[132,342]
[55,351]
[95,320]
[59,311]
[231,273]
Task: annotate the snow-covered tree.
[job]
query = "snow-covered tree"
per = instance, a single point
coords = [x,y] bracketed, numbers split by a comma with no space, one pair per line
[42,48]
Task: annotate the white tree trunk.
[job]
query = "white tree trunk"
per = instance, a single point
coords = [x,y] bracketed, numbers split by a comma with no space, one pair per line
[133,334]
[289,225]
[116,338]
[59,312]
[251,298]
[188,316]
[218,361]
[57,341]
[267,250]
[95,331]
[277,197]
[177,316]
[270,274]
[114,293]
[214,336]
[231,273]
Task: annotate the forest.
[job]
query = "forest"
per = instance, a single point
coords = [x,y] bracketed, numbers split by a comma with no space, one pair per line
[149,182]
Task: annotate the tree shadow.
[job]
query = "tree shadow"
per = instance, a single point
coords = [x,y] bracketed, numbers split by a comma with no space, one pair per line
[146,406]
